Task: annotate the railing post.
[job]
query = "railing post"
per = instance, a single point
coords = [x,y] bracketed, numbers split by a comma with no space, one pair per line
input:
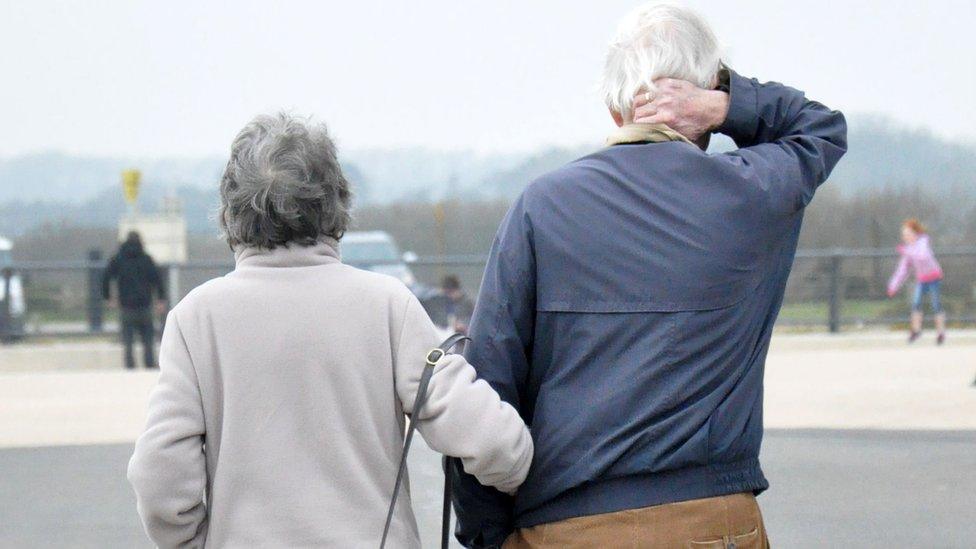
[6,311]
[95,309]
[836,294]
[172,285]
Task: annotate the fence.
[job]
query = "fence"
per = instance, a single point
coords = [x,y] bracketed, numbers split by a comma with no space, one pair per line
[834,289]
[847,288]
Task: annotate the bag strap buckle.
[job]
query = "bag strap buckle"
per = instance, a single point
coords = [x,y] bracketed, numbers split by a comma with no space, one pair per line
[435,355]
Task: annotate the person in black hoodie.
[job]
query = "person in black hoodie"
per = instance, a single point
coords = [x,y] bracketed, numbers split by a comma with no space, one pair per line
[138,278]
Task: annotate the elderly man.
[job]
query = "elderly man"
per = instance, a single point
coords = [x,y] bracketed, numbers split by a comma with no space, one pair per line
[629,298]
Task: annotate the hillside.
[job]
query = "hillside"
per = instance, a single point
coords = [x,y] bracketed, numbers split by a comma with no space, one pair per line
[57,187]
[884,155]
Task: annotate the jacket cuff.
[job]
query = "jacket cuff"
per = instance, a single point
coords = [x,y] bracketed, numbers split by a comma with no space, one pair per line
[742,120]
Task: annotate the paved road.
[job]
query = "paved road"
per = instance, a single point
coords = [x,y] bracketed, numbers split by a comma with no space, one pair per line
[830,488]
[819,382]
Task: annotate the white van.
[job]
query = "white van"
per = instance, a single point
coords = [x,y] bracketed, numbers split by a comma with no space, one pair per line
[376,251]
[13,327]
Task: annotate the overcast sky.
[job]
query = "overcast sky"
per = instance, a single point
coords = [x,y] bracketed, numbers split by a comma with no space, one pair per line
[127,78]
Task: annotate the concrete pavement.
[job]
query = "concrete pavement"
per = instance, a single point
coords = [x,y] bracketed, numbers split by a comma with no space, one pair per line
[869,443]
[828,382]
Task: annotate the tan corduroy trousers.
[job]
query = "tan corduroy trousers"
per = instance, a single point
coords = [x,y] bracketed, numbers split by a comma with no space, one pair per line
[723,522]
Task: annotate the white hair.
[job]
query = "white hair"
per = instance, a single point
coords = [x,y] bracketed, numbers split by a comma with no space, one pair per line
[658,41]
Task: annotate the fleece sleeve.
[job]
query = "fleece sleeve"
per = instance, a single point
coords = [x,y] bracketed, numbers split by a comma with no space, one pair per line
[500,350]
[168,469]
[463,416]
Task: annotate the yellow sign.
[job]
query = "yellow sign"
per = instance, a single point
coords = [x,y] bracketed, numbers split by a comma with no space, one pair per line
[130,184]
[439,213]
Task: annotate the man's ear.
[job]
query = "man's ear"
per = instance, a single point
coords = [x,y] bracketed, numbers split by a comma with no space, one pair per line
[618,119]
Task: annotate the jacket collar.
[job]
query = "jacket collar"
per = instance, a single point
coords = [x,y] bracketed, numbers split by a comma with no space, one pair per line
[323,252]
[644,133]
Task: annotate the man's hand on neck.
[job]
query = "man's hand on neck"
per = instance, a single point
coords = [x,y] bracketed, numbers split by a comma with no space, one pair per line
[684,107]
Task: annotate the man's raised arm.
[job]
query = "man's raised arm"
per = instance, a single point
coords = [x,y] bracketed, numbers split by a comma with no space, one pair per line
[790,143]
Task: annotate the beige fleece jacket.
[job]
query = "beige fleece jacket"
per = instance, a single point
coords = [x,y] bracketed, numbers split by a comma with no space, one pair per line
[279,414]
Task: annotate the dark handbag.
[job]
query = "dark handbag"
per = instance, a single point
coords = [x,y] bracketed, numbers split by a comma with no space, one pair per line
[432,357]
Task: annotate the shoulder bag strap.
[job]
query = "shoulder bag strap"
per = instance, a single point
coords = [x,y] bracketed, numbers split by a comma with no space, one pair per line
[432,357]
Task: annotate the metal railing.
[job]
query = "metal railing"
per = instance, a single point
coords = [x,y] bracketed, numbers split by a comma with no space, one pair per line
[828,288]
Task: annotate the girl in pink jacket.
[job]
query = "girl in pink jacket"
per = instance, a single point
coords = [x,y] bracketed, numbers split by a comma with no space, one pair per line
[916,252]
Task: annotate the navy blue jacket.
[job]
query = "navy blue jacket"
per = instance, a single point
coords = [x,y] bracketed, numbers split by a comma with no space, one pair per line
[626,311]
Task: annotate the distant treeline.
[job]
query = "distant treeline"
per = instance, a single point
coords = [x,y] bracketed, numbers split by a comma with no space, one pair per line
[872,218]
[869,219]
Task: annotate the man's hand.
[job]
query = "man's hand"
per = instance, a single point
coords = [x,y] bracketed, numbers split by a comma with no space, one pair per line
[683,107]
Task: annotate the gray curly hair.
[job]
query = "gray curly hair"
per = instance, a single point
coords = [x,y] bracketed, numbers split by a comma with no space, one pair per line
[283,185]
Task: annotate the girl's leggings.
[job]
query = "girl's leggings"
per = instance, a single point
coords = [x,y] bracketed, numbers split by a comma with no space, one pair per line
[933,289]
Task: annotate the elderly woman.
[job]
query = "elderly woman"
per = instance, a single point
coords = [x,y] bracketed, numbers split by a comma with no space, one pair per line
[279,414]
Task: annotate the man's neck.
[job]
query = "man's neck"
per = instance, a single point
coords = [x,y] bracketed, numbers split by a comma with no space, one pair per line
[644,133]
